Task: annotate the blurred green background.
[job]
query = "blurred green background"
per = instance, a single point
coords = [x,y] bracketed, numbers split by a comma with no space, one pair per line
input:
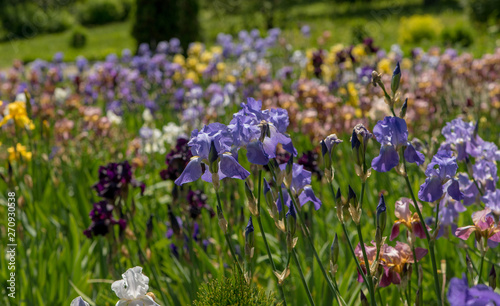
[33,29]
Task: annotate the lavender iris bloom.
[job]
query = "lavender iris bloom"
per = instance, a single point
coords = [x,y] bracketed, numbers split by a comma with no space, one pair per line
[459,293]
[301,188]
[492,201]
[200,148]
[260,131]
[440,178]
[392,134]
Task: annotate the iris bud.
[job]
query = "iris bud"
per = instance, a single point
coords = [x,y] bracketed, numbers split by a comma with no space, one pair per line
[492,277]
[359,142]
[396,77]
[291,219]
[334,250]
[381,214]
[252,202]
[402,113]
[288,173]
[340,206]
[354,209]
[249,238]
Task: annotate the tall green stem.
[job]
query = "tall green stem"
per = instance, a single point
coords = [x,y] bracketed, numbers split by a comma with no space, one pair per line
[269,254]
[430,242]
[363,250]
[480,272]
[308,236]
[309,296]
[227,235]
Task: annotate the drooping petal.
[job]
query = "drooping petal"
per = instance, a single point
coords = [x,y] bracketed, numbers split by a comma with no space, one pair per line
[420,253]
[457,294]
[495,237]
[387,159]
[431,190]
[394,231]
[464,232]
[454,191]
[133,285]
[256,154]
[418,229]
[402,209]
[231,168]
[413,156]
[191,173]
[307,195]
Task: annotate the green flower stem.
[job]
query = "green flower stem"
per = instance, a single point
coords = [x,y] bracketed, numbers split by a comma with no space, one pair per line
[344,228]
[480,272]
[340,299]
[363,249]
[309,296]
[228,237]
[308,235]
[269,254]
[430,242]
[415,264]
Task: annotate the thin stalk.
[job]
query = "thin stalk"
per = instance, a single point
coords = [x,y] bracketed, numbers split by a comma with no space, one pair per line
[363,249]
[308,236]
[344,228]
[340,299]
[227,236]
[480,272]
[261,227]
[415,264]
[309,296]
[430,243]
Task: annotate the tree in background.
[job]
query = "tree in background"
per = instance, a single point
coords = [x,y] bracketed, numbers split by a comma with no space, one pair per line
[158,20]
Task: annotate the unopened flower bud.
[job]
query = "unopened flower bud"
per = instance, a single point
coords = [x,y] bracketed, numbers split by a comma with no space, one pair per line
[252,202]
[288,173]
[376,78]
[402,112]
[359,141]
[340,206]
[249,238]
[396,77]
[334,250]
[492,277]
[381,214]
[222,220]
[291,219]
[354,209]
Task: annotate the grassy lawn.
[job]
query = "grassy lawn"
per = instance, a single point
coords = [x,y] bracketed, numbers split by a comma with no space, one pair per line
[101,41]
[379,20]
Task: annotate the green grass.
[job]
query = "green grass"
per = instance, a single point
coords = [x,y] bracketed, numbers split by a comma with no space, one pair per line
[101,41]
[379,19]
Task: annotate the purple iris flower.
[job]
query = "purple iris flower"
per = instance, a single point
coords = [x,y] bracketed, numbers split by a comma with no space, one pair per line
[301,188]
[114,179]
[468,188]
[485,172]
[440,178]
[460,294]
[492,201]
[260,131]
[102,220]
[306,30]
[200,144]
[392,134]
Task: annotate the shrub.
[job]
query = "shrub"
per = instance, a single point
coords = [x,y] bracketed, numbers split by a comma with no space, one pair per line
[28,20]
[459,35]
[96,12]
[232,291]
[418,28]
[484,11]
[78,38]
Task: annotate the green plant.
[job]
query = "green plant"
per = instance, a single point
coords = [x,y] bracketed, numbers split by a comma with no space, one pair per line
[232,290]
[95,12]
[78,38]
[417,28]
[483,11]
[458,35]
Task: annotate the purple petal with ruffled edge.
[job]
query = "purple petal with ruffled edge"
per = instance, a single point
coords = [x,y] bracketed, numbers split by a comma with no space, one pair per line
[191,173]
[387,159]
[231,168]
[256,154]
[307,195]
[454,191]
[413,156]
[431,190]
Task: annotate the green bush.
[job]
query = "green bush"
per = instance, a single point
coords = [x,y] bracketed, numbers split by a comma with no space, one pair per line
[97,12]
[78,38]
[484,11]
[458,35]
[232,291]
[417,28]
[27,20]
